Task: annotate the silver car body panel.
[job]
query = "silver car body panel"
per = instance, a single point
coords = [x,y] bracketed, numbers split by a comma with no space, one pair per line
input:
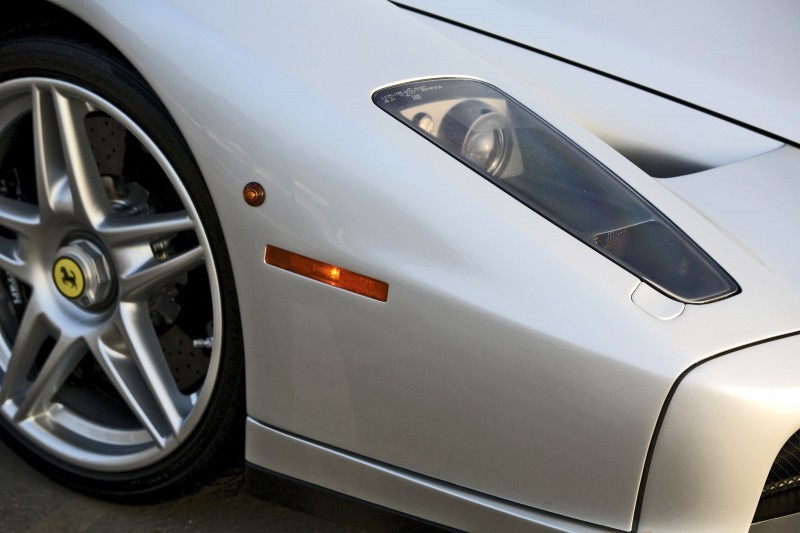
[381,484]
[755,200]
[731,57]
[726,421]
[510,359]
[662,137]
[725,424]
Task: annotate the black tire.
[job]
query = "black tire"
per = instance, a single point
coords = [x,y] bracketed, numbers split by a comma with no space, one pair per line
[214,438]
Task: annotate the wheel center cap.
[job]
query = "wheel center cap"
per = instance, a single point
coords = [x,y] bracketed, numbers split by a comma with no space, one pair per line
[82,274]
[68,276]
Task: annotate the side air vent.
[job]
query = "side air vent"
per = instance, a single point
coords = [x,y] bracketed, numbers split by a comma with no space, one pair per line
[781,493]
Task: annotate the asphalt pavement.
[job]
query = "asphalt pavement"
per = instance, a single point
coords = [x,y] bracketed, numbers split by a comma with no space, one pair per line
[30,502]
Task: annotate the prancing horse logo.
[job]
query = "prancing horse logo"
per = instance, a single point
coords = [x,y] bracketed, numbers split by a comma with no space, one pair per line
[68,277]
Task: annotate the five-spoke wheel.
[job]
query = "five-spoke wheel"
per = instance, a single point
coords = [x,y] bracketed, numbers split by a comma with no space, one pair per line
[111,315]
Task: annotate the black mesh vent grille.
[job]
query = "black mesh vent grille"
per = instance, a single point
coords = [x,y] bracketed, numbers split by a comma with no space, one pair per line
[785,471]
[780,496]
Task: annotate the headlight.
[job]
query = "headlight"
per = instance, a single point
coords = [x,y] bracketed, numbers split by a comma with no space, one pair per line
[522,154]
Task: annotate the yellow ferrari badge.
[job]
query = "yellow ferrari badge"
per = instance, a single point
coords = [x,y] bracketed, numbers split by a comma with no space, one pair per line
[68,277]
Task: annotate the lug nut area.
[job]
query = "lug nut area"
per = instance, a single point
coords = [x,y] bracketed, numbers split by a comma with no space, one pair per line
[82,273]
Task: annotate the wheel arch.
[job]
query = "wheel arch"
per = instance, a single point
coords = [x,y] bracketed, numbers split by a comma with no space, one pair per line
[39,16]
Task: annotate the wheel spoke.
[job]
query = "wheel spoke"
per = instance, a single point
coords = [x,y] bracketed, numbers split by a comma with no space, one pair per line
[128,382]
[67,176]
[122,229]
[51,175]
[88,196]
[8,329]
[23,219]
[140,337]
[10,259]
[61,362]
[154,274]
[19,217]
[30,337]
[134,361]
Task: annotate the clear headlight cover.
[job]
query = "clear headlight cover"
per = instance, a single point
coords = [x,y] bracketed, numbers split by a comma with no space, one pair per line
[519,152]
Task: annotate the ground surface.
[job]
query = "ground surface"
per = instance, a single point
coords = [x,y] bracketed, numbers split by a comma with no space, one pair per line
[30,502]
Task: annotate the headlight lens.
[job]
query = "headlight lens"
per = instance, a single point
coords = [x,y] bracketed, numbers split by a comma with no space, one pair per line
[519,152]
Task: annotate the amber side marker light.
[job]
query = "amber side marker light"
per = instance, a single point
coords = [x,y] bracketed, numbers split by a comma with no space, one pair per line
[254,194]
[327,273]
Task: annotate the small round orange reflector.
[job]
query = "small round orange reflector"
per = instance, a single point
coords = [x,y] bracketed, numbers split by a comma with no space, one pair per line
[253,194]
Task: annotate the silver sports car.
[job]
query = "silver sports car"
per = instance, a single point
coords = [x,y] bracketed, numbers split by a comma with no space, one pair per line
[498,265]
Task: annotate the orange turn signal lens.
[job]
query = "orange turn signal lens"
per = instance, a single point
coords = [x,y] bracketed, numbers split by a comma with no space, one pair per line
[326,273]
[254,194]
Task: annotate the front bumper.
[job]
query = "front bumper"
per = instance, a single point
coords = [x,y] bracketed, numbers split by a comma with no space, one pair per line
[724,423]
[723,426]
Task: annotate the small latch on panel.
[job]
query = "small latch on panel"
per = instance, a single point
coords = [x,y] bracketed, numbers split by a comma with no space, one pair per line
[656,304]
